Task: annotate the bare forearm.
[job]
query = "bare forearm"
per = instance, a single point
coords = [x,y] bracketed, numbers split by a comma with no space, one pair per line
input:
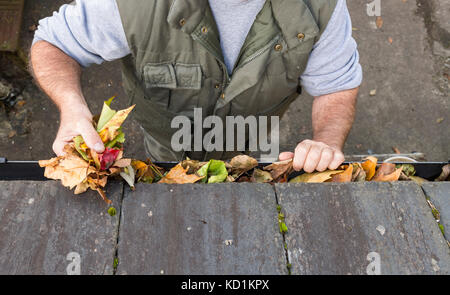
[58,75]
[332,117]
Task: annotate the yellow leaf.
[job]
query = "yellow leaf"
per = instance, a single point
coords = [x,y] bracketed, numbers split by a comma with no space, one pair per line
[316,177]
[115,122]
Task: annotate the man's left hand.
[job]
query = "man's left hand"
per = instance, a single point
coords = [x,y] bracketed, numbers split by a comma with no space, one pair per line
[313,155]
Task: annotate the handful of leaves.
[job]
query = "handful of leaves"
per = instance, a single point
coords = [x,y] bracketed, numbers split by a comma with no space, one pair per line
[81,167]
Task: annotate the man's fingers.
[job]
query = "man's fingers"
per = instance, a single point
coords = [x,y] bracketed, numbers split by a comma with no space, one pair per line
[325,159]
[300,154]
[338,159]
[92,138]
[313,158]
[285,156]
[58,147]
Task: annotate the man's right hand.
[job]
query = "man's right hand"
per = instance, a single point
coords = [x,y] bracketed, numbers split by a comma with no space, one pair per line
[77,121]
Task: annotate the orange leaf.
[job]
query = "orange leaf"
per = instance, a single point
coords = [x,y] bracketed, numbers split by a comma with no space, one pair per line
[345,176]
[379,22]
[370,166]
[178,175]
[387,172]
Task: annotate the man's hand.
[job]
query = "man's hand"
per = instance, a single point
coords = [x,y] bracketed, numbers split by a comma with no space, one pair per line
[312,155]
[74,122]
[332,119]
[59,76]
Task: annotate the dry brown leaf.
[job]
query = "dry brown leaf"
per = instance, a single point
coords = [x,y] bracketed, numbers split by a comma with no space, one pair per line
[418,180]
[241,164]
[387,172]
[345,176]
[369,167]
[316,177]
[81,188]
[379,22]
[445,175]
[280,169]
[178,175]
[261,176]
[70,169]
[122,163]
[192,165]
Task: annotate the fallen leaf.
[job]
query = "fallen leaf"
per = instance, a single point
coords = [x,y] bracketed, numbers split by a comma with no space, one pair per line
[261,176]
[128,174]
[241,164]
[418,180]
[387,172]
[214,171]
[178,175]
[316,177]
[407,169]
[107,158]
[379,22]
[192,165]
[112,126]
[373,92]
[369,167]
[445,175]
[122,163]
[280,169]
[396,150]
[345,176]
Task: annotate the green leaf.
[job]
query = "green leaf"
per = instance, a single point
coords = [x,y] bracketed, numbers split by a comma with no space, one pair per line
[106,114]
[119,138]
[112,211]
[203,171]
[215,171]
[78,140]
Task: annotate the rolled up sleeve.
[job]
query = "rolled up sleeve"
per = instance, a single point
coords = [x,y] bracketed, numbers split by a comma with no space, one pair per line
[334,61]
[89,31]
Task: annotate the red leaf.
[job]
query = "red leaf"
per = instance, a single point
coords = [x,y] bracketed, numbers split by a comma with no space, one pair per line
[108,157]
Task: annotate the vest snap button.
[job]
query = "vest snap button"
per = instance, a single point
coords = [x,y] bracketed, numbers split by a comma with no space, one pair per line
[217,86]
[300,36]
[182,22]
[204,30]
[222,96]
[278,47]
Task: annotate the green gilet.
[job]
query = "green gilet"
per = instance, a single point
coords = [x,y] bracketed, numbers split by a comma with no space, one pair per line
[176,64]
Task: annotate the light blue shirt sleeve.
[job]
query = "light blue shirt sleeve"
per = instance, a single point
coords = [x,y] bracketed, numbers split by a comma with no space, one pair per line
[334,61]
[90,31]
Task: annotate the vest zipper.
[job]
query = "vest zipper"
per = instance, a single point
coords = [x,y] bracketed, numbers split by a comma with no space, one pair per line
[257,53]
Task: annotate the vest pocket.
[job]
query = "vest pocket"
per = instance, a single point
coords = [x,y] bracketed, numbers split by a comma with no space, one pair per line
[160,75]
[172,86]
[189,76]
